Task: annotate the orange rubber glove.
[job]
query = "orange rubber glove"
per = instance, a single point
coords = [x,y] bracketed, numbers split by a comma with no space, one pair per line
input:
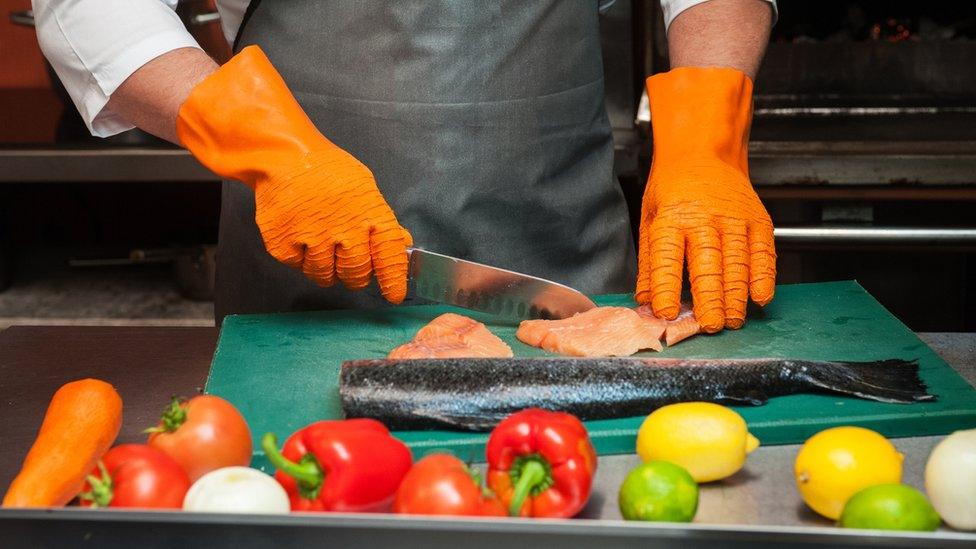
[699,203]
[318,208]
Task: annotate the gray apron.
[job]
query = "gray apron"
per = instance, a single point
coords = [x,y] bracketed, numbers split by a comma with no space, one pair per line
[483,122]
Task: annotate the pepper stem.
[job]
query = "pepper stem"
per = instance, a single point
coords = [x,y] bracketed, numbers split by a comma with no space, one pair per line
[307,472]
[102,489]
[532,474]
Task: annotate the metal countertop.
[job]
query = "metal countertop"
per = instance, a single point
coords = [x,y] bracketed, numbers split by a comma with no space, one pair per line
[764,491]
[757,506]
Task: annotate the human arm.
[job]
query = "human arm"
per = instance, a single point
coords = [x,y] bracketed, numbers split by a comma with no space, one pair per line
[95,46]
[151,97]
[129,63]
[699,206]
[721,33]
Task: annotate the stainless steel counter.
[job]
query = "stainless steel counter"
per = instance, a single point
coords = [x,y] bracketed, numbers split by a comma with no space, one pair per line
[764,493]
[759,506]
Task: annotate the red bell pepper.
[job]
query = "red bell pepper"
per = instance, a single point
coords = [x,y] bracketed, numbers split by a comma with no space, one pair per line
[351,465]
[541,463]
[441,484]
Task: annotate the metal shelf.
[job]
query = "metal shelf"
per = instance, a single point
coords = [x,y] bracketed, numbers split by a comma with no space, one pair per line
[808,163]
[772,163]
[100,165]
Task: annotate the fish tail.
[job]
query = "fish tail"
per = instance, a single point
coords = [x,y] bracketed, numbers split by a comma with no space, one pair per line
[891,380]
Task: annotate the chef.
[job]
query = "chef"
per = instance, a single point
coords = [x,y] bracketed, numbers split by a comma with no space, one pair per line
[349,130]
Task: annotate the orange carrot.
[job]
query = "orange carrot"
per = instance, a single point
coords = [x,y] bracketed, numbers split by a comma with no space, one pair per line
[80,425]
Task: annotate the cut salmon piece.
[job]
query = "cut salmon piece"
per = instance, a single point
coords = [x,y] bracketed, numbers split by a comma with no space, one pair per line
[453,336]
[659,324]
[603,331]
[681,328]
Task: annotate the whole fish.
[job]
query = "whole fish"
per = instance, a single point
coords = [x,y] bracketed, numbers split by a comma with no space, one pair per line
[475,393]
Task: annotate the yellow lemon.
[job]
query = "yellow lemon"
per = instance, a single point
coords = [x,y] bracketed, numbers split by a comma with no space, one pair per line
[836,463]
[708,440]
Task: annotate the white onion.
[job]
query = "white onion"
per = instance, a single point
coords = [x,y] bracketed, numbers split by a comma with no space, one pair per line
[950,479]
[237,490]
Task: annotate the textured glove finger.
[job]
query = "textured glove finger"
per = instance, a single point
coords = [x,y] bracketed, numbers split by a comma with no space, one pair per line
[279,241]
[705,273]
[388,248]
[660,263]
[319,264]
[762,263]
[735,273]
[316,204]
[353,262]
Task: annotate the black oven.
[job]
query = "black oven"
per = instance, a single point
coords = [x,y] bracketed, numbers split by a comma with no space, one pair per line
[863,144]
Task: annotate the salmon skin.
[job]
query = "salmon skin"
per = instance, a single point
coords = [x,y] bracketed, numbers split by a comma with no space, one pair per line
[474,394]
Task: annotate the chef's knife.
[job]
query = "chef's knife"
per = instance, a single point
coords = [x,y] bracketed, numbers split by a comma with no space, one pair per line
[499,292]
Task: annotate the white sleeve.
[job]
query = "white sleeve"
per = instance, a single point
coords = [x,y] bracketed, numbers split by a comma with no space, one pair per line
[94,45]
[672,8]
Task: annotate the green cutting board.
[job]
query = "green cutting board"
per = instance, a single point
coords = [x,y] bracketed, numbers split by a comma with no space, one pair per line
[281,370]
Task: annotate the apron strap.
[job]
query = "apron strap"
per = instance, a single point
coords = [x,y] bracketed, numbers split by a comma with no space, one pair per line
[251,6]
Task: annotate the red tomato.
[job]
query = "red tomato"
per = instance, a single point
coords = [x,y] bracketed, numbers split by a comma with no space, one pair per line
[441,484]
[202,435]
[136,475]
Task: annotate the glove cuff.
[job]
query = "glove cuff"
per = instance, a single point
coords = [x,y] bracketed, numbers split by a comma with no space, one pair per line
[701,113]
[242,122]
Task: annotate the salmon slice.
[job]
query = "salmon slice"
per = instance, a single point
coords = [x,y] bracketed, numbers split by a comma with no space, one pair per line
[659,324]
[453,336]
[603,331]
[681,328]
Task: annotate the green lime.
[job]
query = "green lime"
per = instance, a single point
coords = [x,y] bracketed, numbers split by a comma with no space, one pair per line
[889,507]
[658,491]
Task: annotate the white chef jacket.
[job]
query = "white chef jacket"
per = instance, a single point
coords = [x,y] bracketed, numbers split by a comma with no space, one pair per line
[94,45]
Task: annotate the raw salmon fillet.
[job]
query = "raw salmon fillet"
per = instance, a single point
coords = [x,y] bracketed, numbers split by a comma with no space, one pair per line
[681,328]
[453,336]
[603,331]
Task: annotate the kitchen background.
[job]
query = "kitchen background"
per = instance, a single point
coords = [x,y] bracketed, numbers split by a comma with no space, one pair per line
[863,148]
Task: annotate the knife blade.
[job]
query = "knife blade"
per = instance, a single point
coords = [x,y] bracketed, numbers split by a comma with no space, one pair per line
[499,292]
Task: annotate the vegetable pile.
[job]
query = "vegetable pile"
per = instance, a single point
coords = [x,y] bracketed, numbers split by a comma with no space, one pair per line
[539,464]
[196,458]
